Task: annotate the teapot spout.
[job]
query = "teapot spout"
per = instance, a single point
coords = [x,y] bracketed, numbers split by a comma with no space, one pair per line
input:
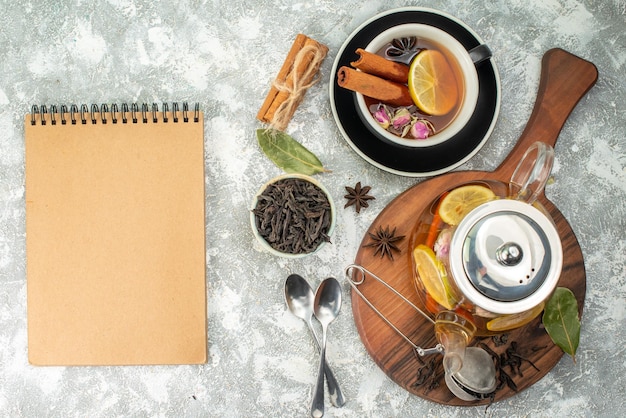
[454,332]
[470,373]
[454,345]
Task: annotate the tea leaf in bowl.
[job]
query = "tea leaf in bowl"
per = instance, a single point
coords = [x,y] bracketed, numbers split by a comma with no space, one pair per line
[287,153]
[560,318]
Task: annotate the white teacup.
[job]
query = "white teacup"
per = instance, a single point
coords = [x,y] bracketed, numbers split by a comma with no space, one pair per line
[465,61]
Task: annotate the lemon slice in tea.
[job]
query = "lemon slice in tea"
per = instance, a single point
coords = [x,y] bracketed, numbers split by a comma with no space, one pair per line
[460,201]
[432,83]
[507,322]
[432,274]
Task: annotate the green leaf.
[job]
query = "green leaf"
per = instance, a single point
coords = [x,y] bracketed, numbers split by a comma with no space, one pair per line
[560,318]
[287,153]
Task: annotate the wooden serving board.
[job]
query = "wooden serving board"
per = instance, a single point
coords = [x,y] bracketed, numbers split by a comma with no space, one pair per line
[565,79]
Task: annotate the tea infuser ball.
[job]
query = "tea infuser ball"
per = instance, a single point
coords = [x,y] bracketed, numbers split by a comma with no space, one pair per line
[476,379]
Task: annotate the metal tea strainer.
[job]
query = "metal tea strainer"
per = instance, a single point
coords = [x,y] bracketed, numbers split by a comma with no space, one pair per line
[477,377]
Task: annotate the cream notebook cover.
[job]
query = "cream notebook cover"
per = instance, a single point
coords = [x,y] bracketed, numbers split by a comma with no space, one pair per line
[115,245]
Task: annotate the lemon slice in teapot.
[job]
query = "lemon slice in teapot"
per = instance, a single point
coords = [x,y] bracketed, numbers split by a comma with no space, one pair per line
[460,201]
[507,322]
[432,274]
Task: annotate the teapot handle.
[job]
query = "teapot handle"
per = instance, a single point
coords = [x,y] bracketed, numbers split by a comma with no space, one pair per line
[532,173]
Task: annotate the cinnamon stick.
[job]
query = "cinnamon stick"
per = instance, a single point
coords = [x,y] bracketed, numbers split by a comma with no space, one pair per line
[390,92]
[296,75]
[297,45]
[376,65]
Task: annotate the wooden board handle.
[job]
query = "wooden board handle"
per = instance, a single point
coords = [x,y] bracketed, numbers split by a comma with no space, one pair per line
[565,79]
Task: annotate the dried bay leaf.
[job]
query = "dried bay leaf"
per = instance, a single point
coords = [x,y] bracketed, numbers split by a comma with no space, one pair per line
[287,153]
[560,318]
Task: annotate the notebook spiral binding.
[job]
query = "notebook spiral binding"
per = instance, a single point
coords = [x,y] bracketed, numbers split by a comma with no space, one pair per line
[104,113]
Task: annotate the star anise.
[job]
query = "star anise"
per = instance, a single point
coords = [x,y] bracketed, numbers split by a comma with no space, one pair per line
[385,242]
[402,50]
[358,196]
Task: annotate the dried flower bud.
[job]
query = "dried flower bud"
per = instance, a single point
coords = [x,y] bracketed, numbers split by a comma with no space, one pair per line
[401,119]
[442,245]
[420,130]
[382,117]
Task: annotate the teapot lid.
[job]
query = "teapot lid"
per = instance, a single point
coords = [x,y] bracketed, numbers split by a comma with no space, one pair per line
[506,256]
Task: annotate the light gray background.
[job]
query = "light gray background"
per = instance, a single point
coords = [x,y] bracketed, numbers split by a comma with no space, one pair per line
[224,54]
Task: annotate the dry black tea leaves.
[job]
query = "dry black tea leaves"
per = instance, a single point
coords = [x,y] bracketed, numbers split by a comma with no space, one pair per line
[425,371]
[429,374]
[293,216]
[358,197]
[384,242]
[500,339]
[512,359]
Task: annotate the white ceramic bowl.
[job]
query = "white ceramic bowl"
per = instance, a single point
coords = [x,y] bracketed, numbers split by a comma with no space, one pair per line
[443,40]
[264,244]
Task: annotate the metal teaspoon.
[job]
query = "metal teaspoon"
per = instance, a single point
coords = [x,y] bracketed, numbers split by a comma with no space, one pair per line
[299,297]
[326,308]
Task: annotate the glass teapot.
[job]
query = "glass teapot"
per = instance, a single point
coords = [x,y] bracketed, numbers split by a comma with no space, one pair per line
[487,256]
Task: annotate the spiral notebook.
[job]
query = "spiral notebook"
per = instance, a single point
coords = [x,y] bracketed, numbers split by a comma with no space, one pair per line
[115,251]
